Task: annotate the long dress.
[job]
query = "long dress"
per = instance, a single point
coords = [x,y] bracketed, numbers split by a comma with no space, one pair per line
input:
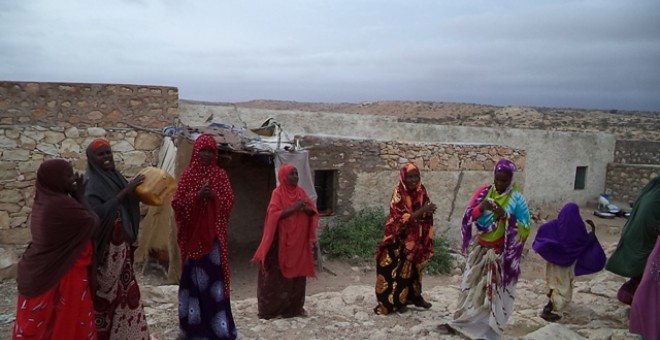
[202,223]
[285,255]
[488,288]
[64,311]
[405,249]
[645,308]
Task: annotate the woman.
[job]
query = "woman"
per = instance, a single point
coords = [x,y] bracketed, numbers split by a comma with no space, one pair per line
[119,311]
[501,217]
[407,245]
[202,206]
[285,252]
[569,251]
[645,308]
[637,240]
[54,300]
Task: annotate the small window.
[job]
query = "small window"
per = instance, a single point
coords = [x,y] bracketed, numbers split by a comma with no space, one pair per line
[580,178]
[324,183]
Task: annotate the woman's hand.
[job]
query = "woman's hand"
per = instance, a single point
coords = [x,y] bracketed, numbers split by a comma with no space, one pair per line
[426,208]
[489,204]
[205,191]
[80,185]
[129,189]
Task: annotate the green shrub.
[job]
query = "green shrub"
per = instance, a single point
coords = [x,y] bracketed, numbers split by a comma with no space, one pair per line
[356,240]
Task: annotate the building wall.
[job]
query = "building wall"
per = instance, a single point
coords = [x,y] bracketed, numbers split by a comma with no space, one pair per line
[635,164]
[40,121]
[368,171]
[551,156]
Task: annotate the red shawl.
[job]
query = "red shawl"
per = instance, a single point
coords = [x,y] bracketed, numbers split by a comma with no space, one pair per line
[60,226]
[417,235]
[201,221]
[296,233]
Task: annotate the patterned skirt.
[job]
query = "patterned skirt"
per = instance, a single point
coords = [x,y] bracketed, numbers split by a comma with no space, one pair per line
[119,311]
[204,306]
[398,280]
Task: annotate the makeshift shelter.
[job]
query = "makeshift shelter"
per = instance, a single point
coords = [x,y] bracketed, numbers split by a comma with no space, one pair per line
[251,161]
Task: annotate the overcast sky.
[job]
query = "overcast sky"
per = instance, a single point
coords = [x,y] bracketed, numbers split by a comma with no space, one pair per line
[583,54]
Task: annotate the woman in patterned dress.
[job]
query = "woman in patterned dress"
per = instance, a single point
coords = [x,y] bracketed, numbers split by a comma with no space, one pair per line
[202,206]
[119,311]
[500,214]
[407,245]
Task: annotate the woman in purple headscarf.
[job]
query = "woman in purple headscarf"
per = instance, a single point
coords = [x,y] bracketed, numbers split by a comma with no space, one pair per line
[500,215]
[569,251]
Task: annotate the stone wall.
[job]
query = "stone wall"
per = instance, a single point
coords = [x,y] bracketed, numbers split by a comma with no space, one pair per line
[368,170]
[625,181]
[637,152]
[40,121]
[635,163]
[82,105]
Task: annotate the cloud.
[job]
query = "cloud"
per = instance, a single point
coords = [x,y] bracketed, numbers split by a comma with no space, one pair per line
[592,54]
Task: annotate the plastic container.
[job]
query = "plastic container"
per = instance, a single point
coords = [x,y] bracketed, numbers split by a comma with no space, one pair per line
[157,187]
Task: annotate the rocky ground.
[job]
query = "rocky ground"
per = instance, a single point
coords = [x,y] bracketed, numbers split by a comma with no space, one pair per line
[341,299]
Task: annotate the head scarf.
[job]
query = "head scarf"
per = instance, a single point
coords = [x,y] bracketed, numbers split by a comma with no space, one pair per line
[101,193]
[295,233]
[506,166]
[416,235]
[60,227]
[565,240]
[202,221]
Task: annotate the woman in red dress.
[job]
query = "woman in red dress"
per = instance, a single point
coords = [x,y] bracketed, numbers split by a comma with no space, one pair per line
[54,300]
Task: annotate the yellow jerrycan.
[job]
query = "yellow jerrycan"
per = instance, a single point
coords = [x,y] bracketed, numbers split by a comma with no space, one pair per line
[157,187]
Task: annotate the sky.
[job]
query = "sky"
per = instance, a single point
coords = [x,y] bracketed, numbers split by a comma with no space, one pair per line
[591,54]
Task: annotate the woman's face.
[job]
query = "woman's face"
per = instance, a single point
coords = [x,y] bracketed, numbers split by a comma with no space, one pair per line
[292,177]
[502,181]
[69,180]
[412,179]
[206,155]
[103,158]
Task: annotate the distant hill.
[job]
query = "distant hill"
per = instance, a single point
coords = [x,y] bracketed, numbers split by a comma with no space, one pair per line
[623,124]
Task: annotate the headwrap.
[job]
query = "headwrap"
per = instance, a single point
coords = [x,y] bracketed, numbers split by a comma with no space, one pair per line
[60,227]
[506,166]
[202,221]
[565,240]
[296,233]
[101,193]
[416,235]
[99,142]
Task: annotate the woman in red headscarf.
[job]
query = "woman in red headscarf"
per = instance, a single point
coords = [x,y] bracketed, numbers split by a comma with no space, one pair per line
[285,253]
[202,206]
[54,300]
[407,245]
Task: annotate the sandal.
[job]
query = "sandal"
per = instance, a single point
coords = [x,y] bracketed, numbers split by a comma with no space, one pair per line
[423,303]
[445,329]
[550,317]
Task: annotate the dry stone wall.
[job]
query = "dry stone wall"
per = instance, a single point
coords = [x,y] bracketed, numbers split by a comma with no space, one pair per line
[39,121]
[635,163]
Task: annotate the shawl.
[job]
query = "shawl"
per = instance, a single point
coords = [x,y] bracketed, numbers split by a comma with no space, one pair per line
[202,221]
[639,233]
[416,235]
[101,193]
[296,233]
[60,227]
[510,230]
[565,240]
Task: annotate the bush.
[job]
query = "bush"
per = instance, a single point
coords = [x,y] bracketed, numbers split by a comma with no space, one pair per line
[356,240]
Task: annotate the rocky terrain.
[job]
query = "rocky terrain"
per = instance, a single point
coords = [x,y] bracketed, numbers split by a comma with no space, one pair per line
[623,124]
[341,299]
